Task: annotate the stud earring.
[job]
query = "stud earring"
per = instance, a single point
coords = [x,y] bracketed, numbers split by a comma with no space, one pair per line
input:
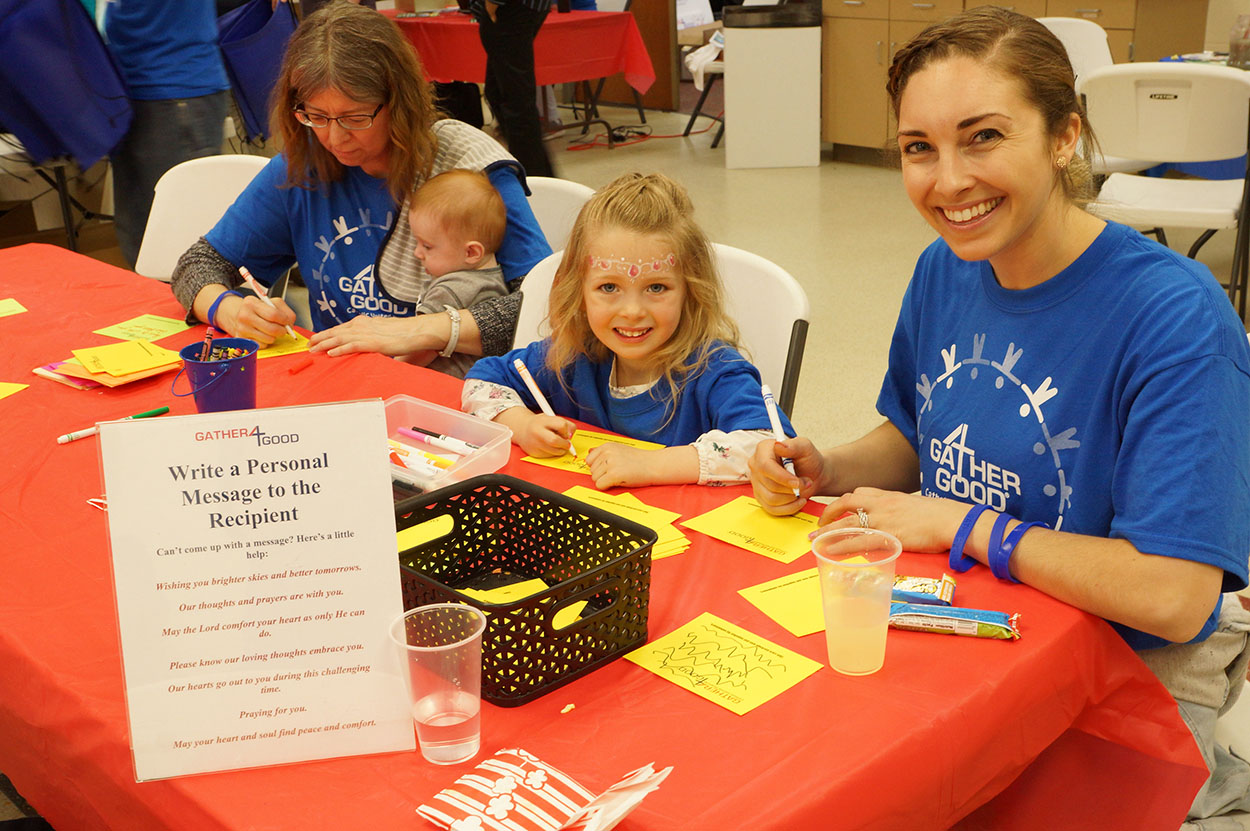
[1061,162]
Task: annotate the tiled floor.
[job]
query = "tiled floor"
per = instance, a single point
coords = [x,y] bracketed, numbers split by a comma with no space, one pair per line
[844,229]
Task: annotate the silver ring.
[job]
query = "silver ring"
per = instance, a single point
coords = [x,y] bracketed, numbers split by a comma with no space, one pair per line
[863,517]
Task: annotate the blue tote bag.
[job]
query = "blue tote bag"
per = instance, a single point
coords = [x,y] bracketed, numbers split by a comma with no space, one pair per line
[253,39]
[61,93]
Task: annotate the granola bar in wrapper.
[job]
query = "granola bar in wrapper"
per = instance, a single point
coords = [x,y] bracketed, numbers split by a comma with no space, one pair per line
[951,620]
[937,591]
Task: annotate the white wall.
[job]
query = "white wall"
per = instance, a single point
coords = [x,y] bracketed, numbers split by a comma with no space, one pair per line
[1221,14]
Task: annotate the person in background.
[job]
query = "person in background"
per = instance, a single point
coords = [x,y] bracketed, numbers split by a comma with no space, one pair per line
[642,346]
[359,133]
[168,56]
[458,220]
[1066,400]
[507,31]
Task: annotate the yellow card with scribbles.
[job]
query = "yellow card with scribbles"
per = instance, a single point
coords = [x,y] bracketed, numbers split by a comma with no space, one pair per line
[724,663]
[745,524]
[792,600]
[584,441]
[285,345]
[144,327]
[10,306]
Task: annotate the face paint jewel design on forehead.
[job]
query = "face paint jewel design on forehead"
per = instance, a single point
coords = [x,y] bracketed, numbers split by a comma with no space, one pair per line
[633,269]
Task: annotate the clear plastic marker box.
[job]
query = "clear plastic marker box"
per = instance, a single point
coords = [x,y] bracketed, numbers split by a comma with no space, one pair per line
[494,441]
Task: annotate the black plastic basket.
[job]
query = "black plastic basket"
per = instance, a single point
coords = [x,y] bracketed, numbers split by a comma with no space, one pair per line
[504,530]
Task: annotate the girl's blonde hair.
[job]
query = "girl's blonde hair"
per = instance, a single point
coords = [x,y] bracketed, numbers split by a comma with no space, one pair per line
[1018,47]
[651,204]
[362,54]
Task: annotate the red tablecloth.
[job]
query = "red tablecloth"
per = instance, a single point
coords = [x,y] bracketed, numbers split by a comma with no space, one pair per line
[1067,723]
[576,46]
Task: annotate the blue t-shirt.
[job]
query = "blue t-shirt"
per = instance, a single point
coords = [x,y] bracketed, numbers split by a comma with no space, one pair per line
[336,233]
[166,49]
[1112,400]
[724,396]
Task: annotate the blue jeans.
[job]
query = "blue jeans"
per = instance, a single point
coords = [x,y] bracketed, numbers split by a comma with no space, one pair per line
[162,134]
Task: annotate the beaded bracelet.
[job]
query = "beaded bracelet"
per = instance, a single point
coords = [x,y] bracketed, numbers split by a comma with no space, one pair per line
[958,562]
[212,310]
[1000,556]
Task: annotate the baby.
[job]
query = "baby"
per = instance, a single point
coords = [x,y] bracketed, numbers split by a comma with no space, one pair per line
[458,221]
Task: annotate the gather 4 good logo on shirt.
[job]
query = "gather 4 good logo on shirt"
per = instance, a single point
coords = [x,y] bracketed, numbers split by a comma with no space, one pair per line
[331,284]
[960,474]
[1009,451]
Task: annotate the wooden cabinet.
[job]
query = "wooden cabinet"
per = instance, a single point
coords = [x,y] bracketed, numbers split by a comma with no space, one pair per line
[860,38]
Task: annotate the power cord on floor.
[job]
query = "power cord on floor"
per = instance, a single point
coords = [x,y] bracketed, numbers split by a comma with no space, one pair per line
[634,134]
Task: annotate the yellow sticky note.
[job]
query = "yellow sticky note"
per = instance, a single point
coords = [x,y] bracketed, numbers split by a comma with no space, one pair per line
[144,327]
[745,524]
[8,388]
[519,591]
[793,601]
[724,663]
[10,306]
[125,358]
[285,345]
[584,441]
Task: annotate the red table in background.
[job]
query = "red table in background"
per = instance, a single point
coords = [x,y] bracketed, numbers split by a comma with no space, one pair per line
[1065,728]
[575,46]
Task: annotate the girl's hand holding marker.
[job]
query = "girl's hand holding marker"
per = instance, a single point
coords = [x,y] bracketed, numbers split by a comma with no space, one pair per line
[559,426]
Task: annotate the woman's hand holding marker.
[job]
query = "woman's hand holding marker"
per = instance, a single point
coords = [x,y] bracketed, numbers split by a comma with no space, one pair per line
[262,294]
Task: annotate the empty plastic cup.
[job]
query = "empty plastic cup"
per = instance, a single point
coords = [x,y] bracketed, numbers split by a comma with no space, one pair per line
[440,646]
[856,567]
[224,382]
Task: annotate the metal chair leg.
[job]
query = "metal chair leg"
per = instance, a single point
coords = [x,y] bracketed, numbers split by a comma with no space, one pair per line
[719,133]
[698,108]
[62,190]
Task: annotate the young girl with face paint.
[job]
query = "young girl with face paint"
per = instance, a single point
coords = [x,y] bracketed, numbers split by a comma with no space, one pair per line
[641,345]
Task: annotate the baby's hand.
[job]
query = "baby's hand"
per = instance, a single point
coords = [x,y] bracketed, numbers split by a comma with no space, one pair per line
[542,435]
[423,357]
[617,465]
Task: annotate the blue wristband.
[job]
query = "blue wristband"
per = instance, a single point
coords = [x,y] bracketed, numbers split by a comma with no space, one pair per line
[958,561]
[1000,556]
[996,540]
[212,310]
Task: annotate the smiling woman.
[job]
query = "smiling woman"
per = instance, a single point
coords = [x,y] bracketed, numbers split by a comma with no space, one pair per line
[359,132]
[1084,382]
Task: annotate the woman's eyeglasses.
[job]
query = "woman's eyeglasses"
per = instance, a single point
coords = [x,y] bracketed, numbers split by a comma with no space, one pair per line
[348,122]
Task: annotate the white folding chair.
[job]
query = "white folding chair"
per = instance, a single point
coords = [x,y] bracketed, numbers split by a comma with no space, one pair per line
[189,200]
[556,203]
[1175,112]
[1086,44]
[767,303]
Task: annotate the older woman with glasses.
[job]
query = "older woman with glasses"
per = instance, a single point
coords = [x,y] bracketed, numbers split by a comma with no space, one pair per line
[359,132]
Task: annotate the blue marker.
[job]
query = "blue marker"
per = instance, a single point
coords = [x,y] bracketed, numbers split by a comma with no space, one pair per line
[775,420]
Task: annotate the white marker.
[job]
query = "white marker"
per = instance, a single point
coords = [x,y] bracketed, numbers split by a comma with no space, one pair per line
[775,421]
[538,394]
[260,292]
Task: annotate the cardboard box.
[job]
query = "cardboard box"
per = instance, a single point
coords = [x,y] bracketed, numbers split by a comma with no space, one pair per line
[697,35]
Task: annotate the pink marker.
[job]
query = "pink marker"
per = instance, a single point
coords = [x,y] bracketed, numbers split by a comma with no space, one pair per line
[261,293]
